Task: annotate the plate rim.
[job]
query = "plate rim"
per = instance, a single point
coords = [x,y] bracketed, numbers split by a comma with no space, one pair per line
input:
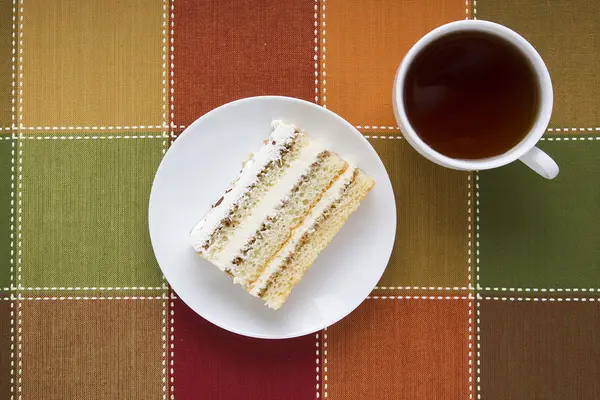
[207,115]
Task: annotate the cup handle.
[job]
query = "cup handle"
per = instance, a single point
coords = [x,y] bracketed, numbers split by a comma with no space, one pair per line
[541,163]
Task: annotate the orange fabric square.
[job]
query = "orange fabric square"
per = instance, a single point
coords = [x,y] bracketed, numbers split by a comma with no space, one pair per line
[400,349]
[363,42]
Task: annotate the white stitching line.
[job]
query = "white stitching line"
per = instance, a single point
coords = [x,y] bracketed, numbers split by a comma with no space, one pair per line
[62,298]
[20,206]
[317,385]
[478,345]
[19,297]
[99,288]
[496,289]
[164,296]
[540,299]
[12,212]
[20,100]
[164,150]
[172,349]
[477,277]
[164,349]
[470,344]
[90,127]
[65,137]
[174,135]
[385,127]
[456,288]
[172,69]
[316,57]
[12,348]
[469,220]
[14,127]
[572,138]
[475,17]
[171,374]
[13,322]
[588,129]
[13,116]
[469,276]
[383,137]
[324,56]
[469,297]
[550,139]
[325,368]
[527,289]
[165,125]
[19,349]
[467,17]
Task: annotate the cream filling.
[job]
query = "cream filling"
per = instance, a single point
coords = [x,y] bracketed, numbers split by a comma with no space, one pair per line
[267,206]
[333,194]
[282,133]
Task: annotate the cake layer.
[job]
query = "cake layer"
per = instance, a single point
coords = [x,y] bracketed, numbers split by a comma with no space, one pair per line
[259,175]
[276,228]
[325,220]
[285,206]
[268,205]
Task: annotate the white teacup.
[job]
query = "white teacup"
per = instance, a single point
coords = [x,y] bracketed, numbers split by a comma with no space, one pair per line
[525,151]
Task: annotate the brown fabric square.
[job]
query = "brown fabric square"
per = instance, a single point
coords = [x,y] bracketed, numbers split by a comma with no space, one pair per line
[431,247]
[539,350]
[5,341]
[226,50]
[92,349]
[399,349]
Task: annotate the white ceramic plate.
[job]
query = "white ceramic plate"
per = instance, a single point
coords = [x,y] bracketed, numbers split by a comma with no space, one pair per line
[198,168]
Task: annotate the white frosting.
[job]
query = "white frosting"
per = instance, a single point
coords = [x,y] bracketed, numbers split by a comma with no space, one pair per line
[333,194]
[267,206]
[282,133]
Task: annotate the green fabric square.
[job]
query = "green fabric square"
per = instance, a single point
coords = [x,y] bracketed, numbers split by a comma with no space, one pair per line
[6,64]
[536,233]
[5,196]
[85,206]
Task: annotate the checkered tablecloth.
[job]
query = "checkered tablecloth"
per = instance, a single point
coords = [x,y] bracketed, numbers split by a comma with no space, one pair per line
[492,288]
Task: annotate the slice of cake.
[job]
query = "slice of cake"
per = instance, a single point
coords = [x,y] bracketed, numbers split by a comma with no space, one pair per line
[287,203]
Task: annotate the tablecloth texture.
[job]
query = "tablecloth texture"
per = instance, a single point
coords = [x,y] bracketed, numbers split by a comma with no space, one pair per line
[492,288]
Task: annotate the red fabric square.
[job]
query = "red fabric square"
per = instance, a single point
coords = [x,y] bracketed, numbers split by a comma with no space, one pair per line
[223,53]
[211,363]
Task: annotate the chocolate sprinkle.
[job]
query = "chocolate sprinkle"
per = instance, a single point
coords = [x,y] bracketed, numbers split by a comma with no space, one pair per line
[218,202]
